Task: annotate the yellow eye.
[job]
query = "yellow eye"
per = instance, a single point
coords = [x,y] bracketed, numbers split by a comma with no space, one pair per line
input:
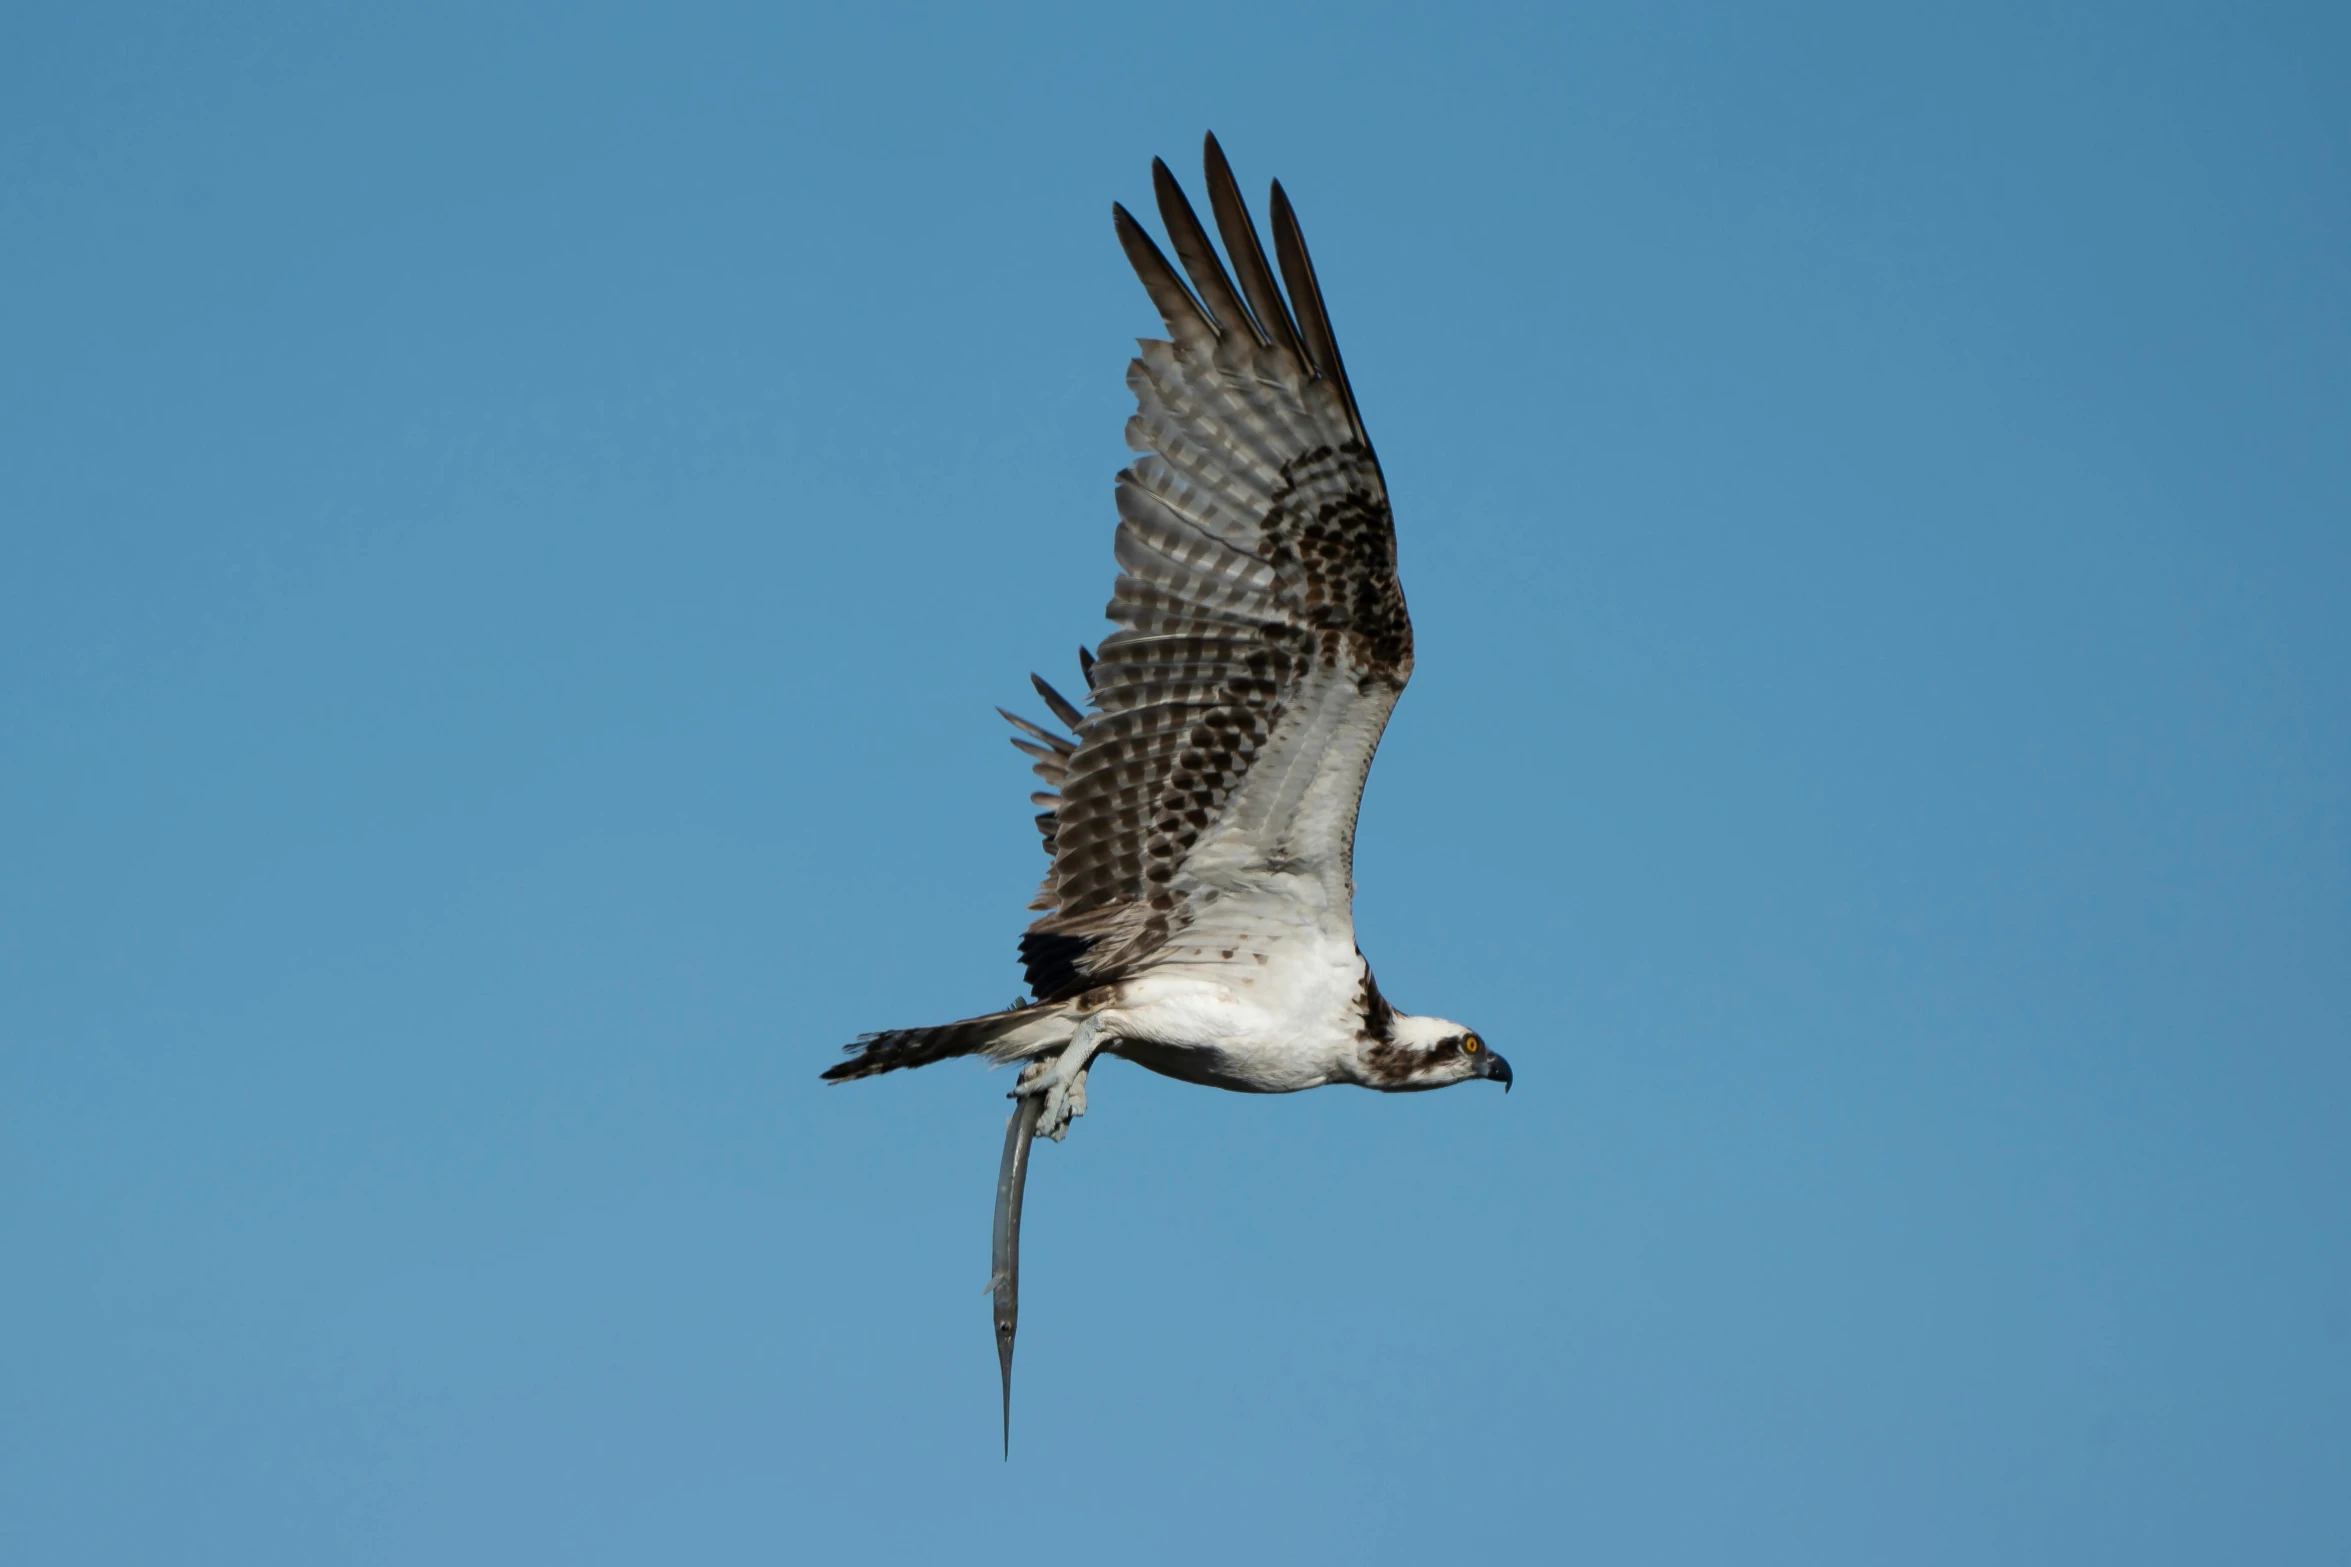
[1469,1045]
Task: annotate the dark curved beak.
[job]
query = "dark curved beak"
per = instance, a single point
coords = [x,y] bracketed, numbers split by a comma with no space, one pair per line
[1498,1069]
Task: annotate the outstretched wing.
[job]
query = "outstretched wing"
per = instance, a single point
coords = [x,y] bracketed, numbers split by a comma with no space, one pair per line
[1262,637]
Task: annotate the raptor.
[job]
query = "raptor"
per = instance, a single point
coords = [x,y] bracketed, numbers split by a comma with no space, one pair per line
[1198,918]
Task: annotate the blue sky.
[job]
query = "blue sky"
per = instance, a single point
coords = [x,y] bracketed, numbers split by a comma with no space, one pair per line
[512,525]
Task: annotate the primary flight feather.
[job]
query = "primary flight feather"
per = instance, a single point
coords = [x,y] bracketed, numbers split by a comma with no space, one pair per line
[1198,916]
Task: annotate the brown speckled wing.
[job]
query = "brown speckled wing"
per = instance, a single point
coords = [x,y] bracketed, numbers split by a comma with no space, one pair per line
[1262,636]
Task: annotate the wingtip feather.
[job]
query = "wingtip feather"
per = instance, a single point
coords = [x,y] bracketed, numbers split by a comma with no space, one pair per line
[1063,708]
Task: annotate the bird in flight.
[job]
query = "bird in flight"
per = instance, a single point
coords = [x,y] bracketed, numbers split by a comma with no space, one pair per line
[1200,816]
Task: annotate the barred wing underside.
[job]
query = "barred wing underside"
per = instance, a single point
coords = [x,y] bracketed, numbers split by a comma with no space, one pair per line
[1262,637]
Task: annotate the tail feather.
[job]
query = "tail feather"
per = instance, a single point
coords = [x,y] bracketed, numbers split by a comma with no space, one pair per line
[1005,1036]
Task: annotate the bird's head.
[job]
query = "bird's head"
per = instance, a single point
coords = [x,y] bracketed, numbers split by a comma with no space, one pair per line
[1428,1052]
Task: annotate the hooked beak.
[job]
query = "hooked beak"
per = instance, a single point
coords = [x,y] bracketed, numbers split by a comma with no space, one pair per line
[1498,1069]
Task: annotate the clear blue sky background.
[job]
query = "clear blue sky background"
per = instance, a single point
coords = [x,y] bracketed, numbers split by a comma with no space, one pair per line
[511,526]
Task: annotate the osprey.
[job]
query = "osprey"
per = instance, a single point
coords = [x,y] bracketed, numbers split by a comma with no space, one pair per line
[1198,917]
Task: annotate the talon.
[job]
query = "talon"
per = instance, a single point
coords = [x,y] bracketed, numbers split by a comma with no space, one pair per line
[1061,1081]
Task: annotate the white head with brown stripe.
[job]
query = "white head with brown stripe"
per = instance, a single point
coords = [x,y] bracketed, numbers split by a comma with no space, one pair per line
[1419,1053]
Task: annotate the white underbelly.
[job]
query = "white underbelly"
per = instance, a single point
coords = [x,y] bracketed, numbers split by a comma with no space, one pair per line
[1272,1031]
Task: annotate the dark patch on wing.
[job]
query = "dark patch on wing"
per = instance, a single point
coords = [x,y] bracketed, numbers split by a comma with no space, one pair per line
[1051,962]
[1333,548]
[1378,1023]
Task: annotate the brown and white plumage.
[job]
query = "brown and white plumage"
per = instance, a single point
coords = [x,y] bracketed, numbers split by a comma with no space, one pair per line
[1200,813]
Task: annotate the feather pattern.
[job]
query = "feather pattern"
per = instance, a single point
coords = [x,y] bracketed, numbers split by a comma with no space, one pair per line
[1261,640]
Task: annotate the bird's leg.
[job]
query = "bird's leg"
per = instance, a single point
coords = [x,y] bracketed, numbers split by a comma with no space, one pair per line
[1012,1178]
[1063,1083]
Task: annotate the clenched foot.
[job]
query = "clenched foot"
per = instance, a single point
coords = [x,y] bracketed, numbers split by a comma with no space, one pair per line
[1062,1082]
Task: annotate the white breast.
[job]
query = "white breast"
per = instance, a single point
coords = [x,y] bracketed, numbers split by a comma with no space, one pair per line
[1276,1018]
